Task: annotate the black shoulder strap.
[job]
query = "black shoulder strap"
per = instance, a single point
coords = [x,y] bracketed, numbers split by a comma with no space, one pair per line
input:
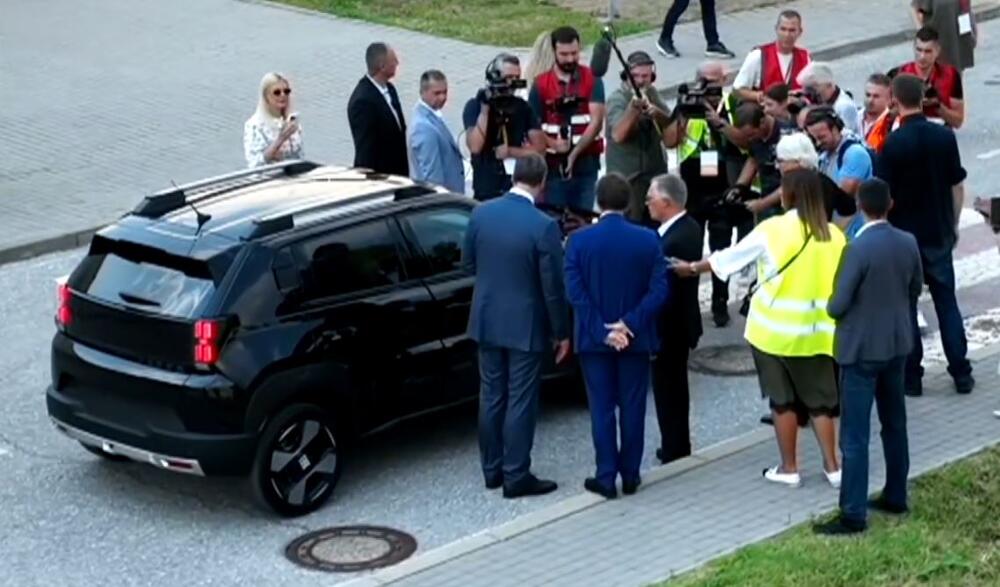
[781,270]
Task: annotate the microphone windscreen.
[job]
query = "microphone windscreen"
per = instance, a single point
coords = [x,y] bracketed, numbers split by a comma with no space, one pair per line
[600,57]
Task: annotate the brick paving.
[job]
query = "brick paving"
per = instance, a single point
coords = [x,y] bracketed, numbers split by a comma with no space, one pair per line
[105,100]
[681,522]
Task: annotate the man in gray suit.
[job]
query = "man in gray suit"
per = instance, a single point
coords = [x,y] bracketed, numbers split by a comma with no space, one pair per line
[518,311]
[879,279]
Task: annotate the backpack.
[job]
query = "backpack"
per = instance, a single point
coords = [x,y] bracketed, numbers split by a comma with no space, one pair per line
[842,150]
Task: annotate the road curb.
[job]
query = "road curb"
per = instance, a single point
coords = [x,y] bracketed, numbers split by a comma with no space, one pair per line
[578,503]
[82,237]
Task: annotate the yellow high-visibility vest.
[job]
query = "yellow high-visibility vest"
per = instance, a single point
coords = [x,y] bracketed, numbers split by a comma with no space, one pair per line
[788,313]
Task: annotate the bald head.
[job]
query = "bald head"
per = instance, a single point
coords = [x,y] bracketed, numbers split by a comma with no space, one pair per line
[712,71]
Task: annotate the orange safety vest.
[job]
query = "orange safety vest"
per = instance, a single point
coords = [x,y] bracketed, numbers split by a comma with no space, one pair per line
[550,89]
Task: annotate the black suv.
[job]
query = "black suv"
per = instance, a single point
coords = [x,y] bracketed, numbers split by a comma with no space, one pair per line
[252,322]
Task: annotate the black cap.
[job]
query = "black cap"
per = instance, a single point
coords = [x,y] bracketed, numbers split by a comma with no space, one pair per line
[637,58]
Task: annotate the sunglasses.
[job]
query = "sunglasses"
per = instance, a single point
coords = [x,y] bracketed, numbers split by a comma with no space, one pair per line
[280,91]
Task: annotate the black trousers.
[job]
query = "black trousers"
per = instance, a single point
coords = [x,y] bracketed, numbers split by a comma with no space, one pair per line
[672,397]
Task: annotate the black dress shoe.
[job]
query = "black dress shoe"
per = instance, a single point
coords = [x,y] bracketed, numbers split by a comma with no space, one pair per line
[721,318]
[630,487]
[494,482]
[592,485]
[965,384]
[881,505]
[839,527]
[530,486]
[767,419]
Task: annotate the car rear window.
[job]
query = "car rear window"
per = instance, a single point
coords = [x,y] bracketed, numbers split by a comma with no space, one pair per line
[150,287]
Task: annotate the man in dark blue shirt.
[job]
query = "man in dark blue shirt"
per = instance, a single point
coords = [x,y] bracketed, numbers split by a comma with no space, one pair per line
[499,128]
[921,163]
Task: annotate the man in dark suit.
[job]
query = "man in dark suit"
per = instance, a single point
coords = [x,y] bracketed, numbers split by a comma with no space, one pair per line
[518,310]
[879,278]
[376,116]
[680,320]
[616,281]
[922,165]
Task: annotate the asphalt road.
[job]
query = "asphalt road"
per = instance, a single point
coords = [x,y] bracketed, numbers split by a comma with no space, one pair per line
[68,518]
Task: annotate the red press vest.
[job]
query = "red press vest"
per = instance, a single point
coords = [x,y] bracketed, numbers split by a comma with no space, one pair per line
[770,67]
[550,90]
[943,78]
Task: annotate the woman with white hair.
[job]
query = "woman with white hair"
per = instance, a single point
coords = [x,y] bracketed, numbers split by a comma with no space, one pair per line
[272,134]
[796,151]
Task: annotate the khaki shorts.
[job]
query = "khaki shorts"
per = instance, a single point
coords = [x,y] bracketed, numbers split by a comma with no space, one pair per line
[809,382]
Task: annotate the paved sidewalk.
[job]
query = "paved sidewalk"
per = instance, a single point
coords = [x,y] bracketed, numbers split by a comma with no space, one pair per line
[112,99]
[692,511]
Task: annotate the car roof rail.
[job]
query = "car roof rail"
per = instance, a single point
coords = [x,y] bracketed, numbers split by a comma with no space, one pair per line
[172,198]
[285,220]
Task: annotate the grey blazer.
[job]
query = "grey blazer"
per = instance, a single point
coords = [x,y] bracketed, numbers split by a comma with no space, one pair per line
[878,280]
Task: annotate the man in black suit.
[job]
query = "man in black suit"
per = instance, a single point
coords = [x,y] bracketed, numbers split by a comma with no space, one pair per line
[680,320]
[879,278]
[376,116]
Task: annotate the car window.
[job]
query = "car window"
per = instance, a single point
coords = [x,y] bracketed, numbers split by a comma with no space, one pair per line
[440,233]
[149,286]
[348,260]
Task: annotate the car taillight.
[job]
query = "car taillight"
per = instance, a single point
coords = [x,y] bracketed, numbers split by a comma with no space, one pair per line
[206,348]
[63,313]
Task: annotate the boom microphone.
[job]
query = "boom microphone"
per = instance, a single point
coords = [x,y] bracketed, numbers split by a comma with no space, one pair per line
[600,57]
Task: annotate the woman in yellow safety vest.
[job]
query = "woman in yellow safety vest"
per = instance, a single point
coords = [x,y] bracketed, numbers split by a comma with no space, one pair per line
[789,331]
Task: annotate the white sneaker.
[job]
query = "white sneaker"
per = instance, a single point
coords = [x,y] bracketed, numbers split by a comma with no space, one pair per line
[833,478]
[996,413]
[775,476]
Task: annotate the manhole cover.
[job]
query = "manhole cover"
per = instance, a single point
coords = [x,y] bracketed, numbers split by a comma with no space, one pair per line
[727,360]
[348,549]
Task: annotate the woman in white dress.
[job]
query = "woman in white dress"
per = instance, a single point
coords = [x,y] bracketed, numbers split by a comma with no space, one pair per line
[273,133]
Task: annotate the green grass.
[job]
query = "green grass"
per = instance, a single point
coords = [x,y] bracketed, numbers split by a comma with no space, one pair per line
[505,23]
[951,537]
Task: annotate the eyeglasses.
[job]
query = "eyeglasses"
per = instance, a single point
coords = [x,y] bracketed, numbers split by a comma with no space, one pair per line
[279,91]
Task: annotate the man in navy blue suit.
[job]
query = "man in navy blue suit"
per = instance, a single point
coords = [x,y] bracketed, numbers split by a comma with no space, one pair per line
[518,312]
[616,282]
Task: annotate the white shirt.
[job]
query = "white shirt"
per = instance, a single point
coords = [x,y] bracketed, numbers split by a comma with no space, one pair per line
[663,228]
[753,248]
[523,193]
[260,131]
[868,225]
[437,113]
[749,74]
[385,94]
[845,108]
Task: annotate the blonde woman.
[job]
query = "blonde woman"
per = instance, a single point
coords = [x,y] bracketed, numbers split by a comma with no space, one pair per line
[542,58]
[272,134]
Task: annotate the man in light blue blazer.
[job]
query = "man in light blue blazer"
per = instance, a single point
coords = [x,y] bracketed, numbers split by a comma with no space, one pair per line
[435,154]
[518,314]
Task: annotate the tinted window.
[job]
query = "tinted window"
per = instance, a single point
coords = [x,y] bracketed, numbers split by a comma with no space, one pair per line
[150,287]
[439,234]
[352,259]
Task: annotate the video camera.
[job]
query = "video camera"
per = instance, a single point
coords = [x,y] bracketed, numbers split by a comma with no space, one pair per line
[692,101]
[499,90]
[931,93]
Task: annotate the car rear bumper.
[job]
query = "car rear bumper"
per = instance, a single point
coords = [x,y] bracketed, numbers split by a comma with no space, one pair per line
[175,464]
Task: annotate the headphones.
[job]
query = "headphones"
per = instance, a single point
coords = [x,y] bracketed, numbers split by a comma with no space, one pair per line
[494,71]
[636,59]
[826,114]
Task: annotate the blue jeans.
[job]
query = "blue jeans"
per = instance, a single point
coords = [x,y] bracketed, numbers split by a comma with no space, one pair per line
[939,275]
[861,384]
[577,192]
[707,20]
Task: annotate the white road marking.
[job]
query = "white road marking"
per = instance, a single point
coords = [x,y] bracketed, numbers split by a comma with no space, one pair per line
[981,331]
[988,154]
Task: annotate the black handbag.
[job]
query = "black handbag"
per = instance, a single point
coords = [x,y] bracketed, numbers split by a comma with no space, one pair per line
[745,306]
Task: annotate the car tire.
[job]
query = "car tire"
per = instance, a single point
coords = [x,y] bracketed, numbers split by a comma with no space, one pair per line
[297,464]
[104,455]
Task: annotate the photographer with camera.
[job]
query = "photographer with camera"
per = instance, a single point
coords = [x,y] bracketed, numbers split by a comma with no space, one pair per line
[499,128]
[699,134]
[764,131]
[822,90]
[943,95]
[636,149]
[569,100]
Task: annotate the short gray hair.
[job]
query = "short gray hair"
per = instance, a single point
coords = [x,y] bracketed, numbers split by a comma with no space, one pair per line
[797,147]
[816,73]
[670,186]
[430,76]
[530,170]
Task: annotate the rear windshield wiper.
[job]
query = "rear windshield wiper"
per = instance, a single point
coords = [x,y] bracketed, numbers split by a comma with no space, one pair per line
[134,299]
